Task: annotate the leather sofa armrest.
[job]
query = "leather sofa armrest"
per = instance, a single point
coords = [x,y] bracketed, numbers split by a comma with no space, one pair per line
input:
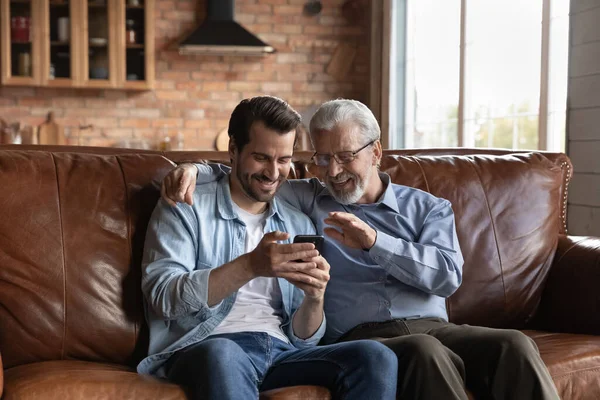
[571,296]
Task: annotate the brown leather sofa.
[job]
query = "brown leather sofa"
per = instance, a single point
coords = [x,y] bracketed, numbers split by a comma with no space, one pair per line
[72,225]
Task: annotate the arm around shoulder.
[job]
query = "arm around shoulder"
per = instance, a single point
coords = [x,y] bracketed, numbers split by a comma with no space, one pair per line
[210,172]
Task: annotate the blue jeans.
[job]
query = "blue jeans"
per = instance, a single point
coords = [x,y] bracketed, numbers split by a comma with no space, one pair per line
[239,365]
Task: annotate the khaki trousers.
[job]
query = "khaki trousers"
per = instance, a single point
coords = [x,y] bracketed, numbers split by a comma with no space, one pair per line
[437,359]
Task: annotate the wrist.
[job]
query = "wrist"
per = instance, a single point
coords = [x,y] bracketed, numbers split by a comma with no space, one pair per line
[315,301]
[195,170]
[371,241]
[245,267]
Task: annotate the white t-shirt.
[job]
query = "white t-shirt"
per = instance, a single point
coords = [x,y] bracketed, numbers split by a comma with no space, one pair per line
[258,305]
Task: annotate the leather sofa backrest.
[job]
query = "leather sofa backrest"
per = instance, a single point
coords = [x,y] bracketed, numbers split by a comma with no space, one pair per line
[72,229]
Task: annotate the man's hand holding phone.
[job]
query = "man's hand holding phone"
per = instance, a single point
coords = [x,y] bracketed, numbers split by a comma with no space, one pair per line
[313,282]
[270,258]
[300,262]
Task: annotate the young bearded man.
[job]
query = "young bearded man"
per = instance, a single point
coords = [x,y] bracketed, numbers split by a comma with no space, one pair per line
[396,258]
[231,310]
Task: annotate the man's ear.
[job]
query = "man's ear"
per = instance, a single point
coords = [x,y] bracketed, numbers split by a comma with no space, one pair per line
[232,149]
[377,153]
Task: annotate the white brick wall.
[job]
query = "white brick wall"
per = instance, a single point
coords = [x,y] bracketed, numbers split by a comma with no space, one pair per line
[583,133]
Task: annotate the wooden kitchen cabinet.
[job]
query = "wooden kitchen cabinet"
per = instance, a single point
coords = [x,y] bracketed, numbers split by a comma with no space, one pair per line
[78,43]
[61,29]
[136,52]
[21,40]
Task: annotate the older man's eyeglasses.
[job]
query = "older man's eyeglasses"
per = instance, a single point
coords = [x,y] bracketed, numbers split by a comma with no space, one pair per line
[342,157]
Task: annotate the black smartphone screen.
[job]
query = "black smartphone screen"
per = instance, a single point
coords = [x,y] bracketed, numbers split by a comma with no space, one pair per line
[317,240]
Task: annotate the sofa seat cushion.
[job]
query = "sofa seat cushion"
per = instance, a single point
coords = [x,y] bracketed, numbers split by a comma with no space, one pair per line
[65,380]
[83,380]
[573,362]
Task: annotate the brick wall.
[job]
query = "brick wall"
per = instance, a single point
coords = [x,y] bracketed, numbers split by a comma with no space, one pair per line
[584,118]
[195,95]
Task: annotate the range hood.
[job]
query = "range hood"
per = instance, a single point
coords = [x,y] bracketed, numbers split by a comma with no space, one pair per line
[219,34]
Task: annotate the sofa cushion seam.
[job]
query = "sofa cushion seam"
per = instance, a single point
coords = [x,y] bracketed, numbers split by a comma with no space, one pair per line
[129,244]
[487,203]
[579,371]
[62,238]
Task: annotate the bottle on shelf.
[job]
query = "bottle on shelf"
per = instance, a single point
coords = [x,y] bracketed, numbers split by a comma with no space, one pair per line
[164,143]
[24,65]
[179,143]
[130,34]
[63,29]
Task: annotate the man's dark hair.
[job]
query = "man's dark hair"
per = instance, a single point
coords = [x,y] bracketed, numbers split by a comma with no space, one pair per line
[275,113]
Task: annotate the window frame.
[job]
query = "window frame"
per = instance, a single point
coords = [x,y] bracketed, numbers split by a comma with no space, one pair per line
[382,54]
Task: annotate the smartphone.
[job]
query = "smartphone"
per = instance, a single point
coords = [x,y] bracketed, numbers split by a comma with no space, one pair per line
[317,240]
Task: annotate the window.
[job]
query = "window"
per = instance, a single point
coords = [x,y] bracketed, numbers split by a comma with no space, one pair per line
[478,73]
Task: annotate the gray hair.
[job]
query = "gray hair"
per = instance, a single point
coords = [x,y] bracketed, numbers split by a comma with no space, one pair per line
[335,112]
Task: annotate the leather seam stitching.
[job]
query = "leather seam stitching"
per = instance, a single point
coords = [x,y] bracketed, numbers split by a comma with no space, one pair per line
[584,370]
[62,238]
[487,203]
[567,181]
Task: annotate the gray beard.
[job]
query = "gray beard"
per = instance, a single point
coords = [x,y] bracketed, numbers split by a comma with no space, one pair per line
[352,197]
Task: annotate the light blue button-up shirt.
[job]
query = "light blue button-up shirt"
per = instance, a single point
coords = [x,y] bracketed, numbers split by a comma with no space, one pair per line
[414,265]
[183,244]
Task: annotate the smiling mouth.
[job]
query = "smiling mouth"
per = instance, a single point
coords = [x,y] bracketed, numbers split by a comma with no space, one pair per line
[341,184]
[266,185]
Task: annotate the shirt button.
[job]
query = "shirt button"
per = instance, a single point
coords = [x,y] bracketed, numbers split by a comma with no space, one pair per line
[386,303]
[382,279]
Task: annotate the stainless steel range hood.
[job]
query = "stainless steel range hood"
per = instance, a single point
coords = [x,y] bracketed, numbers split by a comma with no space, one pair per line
[219,34]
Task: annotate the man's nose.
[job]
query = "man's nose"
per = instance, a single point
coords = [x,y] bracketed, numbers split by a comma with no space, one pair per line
[333,169]
[272,171]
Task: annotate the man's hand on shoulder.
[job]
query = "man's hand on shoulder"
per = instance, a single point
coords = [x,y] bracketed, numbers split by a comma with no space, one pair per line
[179,185]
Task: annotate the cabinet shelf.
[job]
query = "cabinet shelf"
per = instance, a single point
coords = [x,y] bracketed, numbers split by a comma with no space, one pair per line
[71,63]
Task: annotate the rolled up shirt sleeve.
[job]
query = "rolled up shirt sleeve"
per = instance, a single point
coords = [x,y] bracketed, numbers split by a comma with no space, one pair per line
[310,341]
[173,283]
[295,340]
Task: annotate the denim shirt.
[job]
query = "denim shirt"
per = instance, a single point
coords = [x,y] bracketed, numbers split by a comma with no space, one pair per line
[183,244]
[414,265]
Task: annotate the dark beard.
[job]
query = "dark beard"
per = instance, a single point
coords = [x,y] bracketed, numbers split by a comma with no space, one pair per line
[245,182]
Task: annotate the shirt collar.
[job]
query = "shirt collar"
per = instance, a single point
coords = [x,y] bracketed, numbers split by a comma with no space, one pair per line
[224,202]
[388,198]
